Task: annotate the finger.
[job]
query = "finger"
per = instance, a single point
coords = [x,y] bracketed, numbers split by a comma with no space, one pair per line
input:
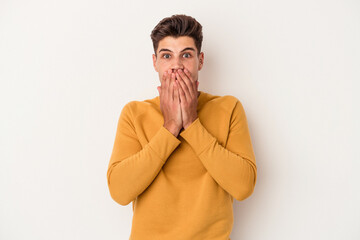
[181,93]
[169,86]
[184,87]
[188,74]
[176,92]
[172,86]
[168,78]
[164,86]
[163,78]
[189,83]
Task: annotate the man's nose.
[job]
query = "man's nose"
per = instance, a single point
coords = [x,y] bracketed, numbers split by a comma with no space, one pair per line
[177,64]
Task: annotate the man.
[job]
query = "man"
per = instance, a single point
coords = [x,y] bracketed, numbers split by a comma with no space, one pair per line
[181,157]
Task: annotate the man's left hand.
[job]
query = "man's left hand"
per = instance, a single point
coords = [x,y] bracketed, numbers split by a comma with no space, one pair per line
[188,91]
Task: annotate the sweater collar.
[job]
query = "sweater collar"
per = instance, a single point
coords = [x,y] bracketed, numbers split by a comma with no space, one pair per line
[201,99]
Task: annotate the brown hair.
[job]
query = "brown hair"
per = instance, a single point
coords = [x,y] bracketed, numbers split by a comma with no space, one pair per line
[176,26]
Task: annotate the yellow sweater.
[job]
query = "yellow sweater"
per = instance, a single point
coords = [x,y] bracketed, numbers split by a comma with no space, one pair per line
[182,188]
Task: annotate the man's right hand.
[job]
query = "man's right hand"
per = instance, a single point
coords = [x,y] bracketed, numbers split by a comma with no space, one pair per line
[170,103]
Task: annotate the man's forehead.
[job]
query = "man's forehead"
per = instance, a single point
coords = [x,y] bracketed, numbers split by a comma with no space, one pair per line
[176,44]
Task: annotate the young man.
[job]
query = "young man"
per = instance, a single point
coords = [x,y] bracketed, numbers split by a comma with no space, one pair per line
[183,156]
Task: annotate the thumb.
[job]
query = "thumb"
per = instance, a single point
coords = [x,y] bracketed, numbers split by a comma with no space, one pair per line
[159,89]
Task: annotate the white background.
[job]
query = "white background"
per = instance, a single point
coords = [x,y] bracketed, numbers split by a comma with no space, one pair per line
[68,67]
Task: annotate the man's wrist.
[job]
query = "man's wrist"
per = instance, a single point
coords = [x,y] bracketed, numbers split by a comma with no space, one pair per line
[173,129]
[188,124]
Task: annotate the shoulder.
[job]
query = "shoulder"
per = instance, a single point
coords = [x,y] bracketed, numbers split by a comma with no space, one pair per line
[138,107]
[226,102]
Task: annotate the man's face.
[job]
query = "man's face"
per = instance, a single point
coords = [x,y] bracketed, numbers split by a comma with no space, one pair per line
[178,53]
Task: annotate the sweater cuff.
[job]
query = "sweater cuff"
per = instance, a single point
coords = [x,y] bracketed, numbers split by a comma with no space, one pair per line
[197,136]
[163,143]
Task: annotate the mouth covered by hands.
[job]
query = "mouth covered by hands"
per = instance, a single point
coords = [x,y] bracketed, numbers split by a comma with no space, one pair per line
[188,93]
[178,99]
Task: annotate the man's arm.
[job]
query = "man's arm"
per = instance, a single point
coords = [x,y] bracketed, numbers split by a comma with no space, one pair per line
[132,168]
[233,167]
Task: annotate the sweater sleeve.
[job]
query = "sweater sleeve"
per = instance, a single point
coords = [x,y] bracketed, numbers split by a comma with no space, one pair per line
[132,168]
[233,167]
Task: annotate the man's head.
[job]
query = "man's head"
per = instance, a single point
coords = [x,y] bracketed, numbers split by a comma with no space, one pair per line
[177,45]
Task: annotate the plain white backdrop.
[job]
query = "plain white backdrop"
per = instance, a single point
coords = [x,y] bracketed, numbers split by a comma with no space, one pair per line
[68,67]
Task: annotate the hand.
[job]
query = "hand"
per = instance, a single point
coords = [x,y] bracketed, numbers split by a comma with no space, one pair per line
[170,103]
[188,90]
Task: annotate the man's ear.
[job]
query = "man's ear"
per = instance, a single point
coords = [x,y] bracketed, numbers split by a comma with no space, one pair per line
[154,62]
[201,61]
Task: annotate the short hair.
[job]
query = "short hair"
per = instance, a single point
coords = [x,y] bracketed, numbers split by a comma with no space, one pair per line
[176,26]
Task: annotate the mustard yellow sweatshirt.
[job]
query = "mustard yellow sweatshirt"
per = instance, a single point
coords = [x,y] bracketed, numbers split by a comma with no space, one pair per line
[182,188]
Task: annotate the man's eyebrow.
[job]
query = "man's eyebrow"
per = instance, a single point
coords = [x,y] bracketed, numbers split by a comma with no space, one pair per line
[188,48]
[168,50]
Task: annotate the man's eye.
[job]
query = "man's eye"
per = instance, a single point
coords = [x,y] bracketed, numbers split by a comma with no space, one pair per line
[186,55]
[166,56]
